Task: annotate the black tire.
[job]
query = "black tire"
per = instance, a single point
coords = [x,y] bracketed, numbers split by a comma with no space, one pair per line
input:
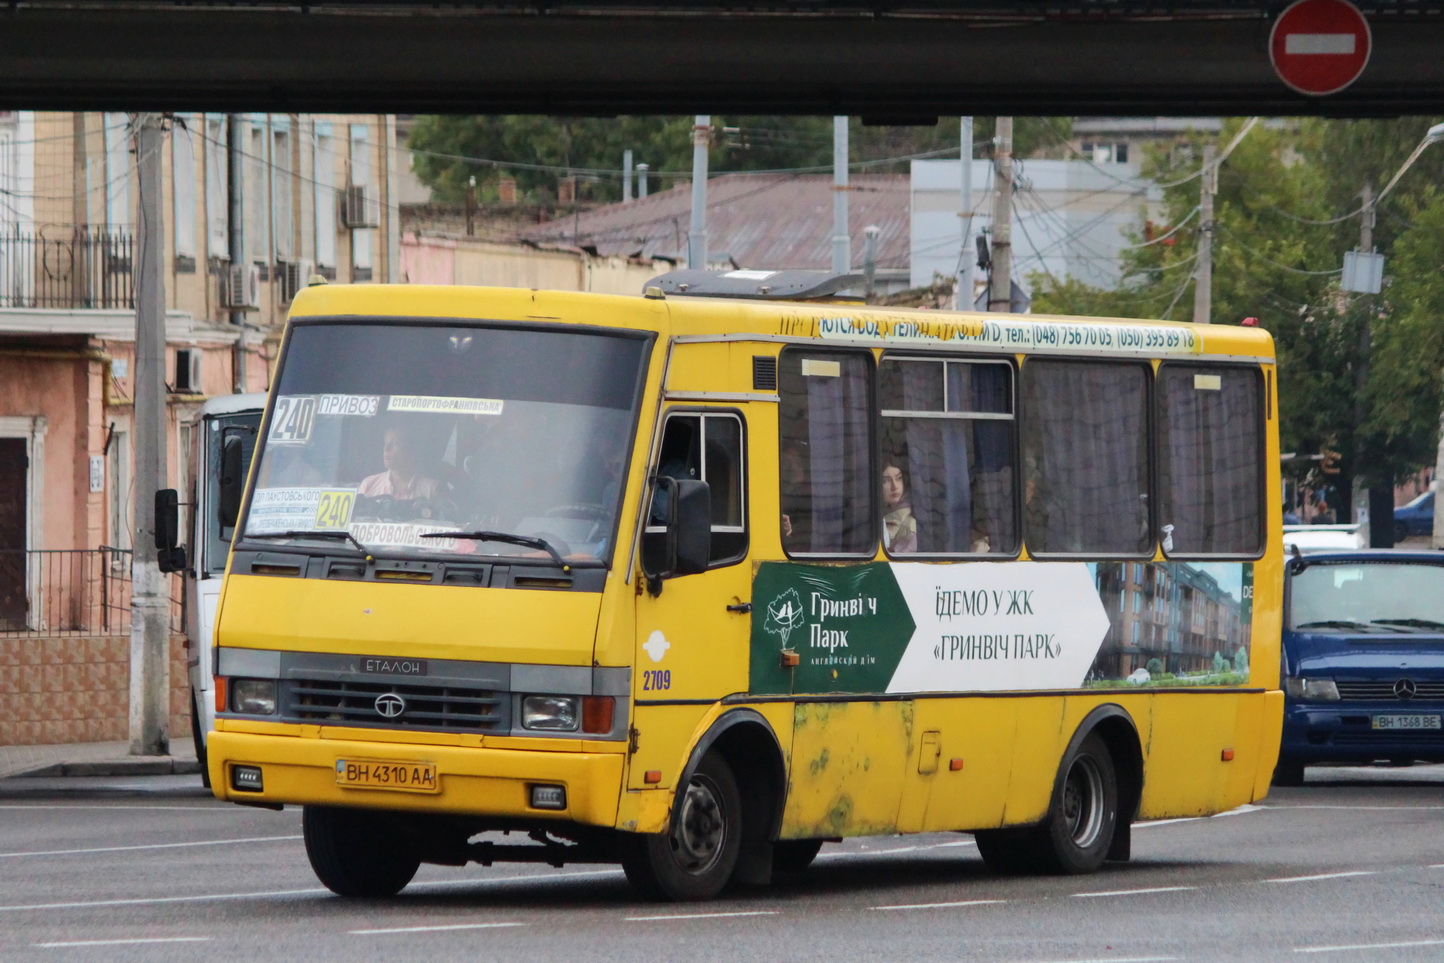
[356,853]
[1289,772]
[198,738]
[791,856]
[1075,836]
[1008,852]
[1401,532]
[695,860]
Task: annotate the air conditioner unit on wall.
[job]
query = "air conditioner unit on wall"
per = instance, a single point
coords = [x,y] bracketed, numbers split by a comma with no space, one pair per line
[243,287]
[187,372]
[294,275]
[358,207]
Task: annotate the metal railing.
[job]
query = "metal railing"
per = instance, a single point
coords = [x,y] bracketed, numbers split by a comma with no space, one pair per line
[60,592]
[82,268]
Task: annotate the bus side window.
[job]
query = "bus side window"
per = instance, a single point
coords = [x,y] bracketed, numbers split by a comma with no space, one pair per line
[829,491]
[1085,458]
[709,447]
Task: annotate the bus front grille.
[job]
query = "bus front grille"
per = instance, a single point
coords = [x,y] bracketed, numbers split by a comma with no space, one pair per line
[448,708]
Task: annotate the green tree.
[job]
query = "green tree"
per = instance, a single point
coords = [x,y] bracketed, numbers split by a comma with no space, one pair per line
[536,151]
[1351,367]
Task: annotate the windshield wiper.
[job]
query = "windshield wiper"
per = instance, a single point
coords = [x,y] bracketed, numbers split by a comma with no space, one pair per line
[1411,623]
[1333,624]
[303,533]
[526,541]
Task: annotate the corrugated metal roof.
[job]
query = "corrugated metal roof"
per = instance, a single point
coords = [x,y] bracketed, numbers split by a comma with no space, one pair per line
[771,221]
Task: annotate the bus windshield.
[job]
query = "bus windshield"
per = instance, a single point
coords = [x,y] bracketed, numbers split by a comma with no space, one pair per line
[387,437]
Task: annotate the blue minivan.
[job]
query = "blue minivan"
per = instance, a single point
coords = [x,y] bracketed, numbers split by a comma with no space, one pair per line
[1363,659]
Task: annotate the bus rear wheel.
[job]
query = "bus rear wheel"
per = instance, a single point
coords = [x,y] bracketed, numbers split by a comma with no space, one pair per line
[356,853]
[1084,814]
[1075,835]
[696,858]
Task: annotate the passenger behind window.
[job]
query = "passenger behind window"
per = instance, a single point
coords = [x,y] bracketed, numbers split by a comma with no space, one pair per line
[796,501]
[899,527]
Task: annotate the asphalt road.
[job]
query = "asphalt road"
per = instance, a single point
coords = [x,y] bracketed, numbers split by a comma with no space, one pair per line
[1349,867]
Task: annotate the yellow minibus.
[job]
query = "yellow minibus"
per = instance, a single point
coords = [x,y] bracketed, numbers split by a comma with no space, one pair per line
[695,583]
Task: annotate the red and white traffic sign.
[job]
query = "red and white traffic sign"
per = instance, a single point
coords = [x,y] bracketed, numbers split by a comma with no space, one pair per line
[1320,46]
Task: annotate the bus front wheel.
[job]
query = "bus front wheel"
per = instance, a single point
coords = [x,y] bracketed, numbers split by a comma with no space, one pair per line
[355,853]
[696,858]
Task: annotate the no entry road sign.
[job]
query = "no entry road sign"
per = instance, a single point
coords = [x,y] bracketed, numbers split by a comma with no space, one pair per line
[1320,46]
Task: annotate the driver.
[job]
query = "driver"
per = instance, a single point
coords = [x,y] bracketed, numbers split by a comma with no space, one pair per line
[401,480]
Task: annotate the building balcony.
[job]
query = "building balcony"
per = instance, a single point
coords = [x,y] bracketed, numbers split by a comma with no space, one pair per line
[63,267]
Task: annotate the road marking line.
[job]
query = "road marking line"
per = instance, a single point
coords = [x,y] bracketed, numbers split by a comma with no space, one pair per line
[125,849]
[155,939]
[1135,892]
[315,891]
[1309,879]
[965,902]
[1351,809]
[697,916]
[1366,946]
[219,810]
[433,929]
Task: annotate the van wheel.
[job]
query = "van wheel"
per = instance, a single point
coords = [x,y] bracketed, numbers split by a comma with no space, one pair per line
[695,860]
[356,853]
[794,855]
[1289,772]
[1075,836]
[198,738]
[1401,532]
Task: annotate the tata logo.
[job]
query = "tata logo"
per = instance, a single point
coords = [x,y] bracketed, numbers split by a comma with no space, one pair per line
[390,705]
[1405,689]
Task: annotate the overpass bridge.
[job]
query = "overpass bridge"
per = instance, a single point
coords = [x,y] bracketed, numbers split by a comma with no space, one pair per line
[885,60]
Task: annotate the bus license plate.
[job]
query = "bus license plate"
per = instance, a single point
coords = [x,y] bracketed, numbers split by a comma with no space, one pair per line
[387,774]
[1406,722]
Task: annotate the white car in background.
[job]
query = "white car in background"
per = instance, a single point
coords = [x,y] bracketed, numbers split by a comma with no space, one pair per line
[1322,538]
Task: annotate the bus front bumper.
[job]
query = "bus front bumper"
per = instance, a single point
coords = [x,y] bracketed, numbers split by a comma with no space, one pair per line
[469,781]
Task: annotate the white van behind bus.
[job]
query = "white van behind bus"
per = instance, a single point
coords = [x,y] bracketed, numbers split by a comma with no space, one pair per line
[210,544]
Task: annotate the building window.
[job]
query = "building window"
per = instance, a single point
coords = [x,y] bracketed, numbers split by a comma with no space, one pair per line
[324,183]
[183,184]
[218,214]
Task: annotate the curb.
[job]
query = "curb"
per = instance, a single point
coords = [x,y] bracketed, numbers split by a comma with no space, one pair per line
[152,766]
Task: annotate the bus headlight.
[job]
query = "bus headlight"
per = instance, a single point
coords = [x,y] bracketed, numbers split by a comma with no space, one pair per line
[1317,690]
[554,713]
[254,697]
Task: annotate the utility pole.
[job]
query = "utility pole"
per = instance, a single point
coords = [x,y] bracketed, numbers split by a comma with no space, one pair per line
[963,286]
[1203,274]
[697,237]
[841,240]
[236,237]
[1000,289]
[1364,499]
[150,600]
[627,176]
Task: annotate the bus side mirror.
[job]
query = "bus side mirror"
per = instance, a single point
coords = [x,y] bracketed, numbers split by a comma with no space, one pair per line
[169,555]
[232,482]
[678,536]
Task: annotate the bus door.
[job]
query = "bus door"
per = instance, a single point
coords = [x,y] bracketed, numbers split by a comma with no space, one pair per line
[692,637]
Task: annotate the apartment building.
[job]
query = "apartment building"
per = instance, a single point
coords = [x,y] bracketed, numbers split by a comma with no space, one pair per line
[253,206]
